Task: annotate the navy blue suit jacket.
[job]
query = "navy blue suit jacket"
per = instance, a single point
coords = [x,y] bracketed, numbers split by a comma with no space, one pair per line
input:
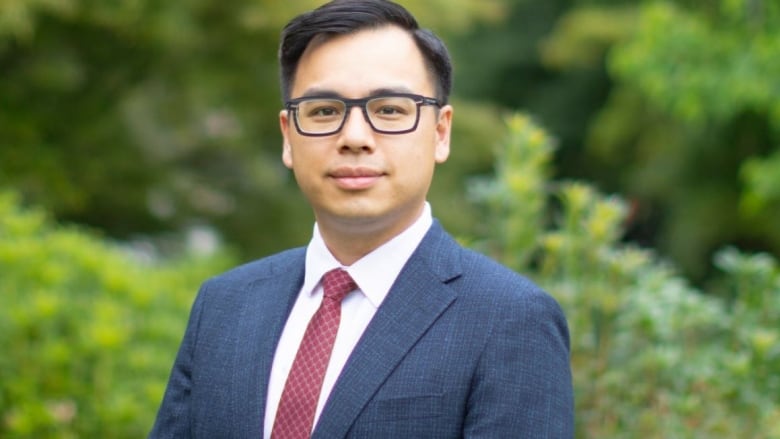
[461,347]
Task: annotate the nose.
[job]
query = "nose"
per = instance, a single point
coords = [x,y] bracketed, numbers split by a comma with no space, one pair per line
[357,134]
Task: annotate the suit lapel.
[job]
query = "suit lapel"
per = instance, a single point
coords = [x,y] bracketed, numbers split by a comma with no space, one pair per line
[418,297]
[260,325]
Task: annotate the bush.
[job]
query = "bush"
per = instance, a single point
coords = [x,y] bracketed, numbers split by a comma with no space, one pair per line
[651,355]
[89,330]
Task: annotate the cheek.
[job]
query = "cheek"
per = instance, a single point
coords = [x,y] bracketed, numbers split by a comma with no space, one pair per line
[303,167]
[302,157]
[418,166]
[307,184]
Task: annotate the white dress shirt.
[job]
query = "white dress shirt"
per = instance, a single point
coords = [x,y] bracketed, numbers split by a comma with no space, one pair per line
[374,274]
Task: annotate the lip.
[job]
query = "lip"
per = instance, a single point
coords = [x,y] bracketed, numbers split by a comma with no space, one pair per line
[355,178]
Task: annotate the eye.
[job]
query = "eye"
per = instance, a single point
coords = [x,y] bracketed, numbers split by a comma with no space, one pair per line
[389,110]
[321,109]
[391,107]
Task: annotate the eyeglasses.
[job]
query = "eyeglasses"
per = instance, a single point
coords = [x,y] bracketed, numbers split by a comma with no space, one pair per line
[396,113]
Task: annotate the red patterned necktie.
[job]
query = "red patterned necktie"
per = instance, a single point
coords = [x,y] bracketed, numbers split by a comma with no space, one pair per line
[295,415]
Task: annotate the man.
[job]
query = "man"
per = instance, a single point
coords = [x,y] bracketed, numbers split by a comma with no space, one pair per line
[432,340]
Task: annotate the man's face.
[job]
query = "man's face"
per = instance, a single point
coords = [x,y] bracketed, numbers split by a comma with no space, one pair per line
[356,179]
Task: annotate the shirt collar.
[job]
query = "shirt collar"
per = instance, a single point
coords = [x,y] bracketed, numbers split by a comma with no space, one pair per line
[375,272]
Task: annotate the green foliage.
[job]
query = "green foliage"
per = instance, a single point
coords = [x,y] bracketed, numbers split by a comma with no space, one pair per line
[583,35]
[701,65]
[651,355]
[88,329]
[762,181]
[525,171]
[691,128]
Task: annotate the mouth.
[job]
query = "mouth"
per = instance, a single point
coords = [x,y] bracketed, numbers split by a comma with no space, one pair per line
[355,178]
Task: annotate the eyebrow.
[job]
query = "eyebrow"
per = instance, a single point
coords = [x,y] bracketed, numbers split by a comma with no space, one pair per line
[328,93]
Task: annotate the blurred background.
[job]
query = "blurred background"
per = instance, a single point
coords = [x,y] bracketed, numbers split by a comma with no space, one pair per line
[140,154]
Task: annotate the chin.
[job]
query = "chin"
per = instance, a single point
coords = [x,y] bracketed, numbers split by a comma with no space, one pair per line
[355,213]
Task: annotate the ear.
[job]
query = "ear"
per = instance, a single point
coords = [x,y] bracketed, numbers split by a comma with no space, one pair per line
[443,129]
[284,125]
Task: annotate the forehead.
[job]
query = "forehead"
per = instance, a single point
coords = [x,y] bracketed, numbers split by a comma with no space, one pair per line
[353,65]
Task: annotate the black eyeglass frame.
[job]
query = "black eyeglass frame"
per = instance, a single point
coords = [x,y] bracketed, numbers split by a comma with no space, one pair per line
[419,100]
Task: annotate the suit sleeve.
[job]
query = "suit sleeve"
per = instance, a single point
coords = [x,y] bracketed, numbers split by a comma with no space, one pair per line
[174,416]
[523,385]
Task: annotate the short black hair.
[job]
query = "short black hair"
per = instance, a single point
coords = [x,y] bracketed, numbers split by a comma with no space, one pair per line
[341,17]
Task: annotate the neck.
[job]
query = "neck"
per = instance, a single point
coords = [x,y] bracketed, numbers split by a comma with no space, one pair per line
[350,240]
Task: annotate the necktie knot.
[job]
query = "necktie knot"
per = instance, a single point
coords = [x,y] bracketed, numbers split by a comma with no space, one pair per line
[336,284]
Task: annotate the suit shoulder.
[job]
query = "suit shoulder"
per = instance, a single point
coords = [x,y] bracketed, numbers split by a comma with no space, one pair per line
[490,271]
[497,293]
[477,278]
[260,268]
[485,276]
